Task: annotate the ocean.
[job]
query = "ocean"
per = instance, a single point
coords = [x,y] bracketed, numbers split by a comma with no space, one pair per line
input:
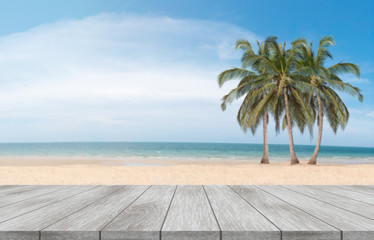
[193,151]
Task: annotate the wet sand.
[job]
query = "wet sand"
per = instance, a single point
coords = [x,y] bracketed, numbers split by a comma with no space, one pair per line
[166,172]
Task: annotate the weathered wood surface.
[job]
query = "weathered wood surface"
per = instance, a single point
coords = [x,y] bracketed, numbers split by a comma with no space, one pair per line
[33,222]
[29,205]
[360,188]
[14,190]
[14,198]
[186,212]
[346,203]
[87,223]
[294,223]
[359,196]
[190,216]
[352,225]
[238,219]
[143,219]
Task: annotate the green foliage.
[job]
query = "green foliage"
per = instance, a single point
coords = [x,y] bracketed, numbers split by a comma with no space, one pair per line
[254,84]
[326,80]
[297,73]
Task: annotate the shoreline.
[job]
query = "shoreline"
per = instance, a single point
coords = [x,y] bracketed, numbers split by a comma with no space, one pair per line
[156,161]
[173,172]
[126,161]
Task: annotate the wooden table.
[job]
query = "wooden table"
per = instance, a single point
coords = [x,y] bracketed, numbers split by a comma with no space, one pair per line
[186,212]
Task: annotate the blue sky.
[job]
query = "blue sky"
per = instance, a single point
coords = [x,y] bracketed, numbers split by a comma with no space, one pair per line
[146,70]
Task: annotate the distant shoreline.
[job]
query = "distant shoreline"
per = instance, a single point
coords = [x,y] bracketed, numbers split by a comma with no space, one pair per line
[181,142]
[119,153]
[150,161]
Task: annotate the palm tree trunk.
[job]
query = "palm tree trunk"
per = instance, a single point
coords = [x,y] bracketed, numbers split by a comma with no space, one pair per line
[265,156]
[294,159]
[313,159]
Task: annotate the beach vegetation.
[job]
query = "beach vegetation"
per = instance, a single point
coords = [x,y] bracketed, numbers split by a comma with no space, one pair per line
[325,101]
[249,81]
[292,85]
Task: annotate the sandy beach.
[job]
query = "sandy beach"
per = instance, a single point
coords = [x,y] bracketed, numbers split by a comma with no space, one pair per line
[162,172]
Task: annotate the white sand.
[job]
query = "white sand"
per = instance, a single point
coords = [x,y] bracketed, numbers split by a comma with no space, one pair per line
[18,171]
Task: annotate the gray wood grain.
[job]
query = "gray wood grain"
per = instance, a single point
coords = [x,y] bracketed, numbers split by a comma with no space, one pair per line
[352,225]
[7,186]
[190,216]
[362,197]
[294,223]
[367,189]
[41,218]
[18,189]
[238,219]
[86,223]
[32,204]
[19,235]
[189,212]
[360,208]
[142,219]
[14,198]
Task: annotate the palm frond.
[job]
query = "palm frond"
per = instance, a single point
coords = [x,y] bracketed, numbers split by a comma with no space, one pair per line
[232,74]
[341,68]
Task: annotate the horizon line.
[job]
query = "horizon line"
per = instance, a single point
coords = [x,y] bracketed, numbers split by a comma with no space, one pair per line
[46,142]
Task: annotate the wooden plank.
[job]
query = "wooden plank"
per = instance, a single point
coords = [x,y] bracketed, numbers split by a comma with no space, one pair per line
[348,204]
[294,223]
[236,218]
[6,186]
[190,216]
[352,225]
[14,198]
[367,189]
[87,223]
[18,189]
[31,223]
[142,219]
[32,204]
[362,197]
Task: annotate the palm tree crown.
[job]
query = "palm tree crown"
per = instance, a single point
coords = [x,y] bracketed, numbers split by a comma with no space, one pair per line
[326,101]
[291,84]
[283,78]
[249,81]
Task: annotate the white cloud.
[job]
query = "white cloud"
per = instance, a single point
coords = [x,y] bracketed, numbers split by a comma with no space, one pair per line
[356,80]
[370,114]
[350,78]
[103,71]
[118,77]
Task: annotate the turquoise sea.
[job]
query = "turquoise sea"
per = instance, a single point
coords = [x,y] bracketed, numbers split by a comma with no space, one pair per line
[214,151]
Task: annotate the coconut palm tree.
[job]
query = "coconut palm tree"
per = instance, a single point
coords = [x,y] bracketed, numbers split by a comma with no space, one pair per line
[249,81]
[326,80]
[282,76]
